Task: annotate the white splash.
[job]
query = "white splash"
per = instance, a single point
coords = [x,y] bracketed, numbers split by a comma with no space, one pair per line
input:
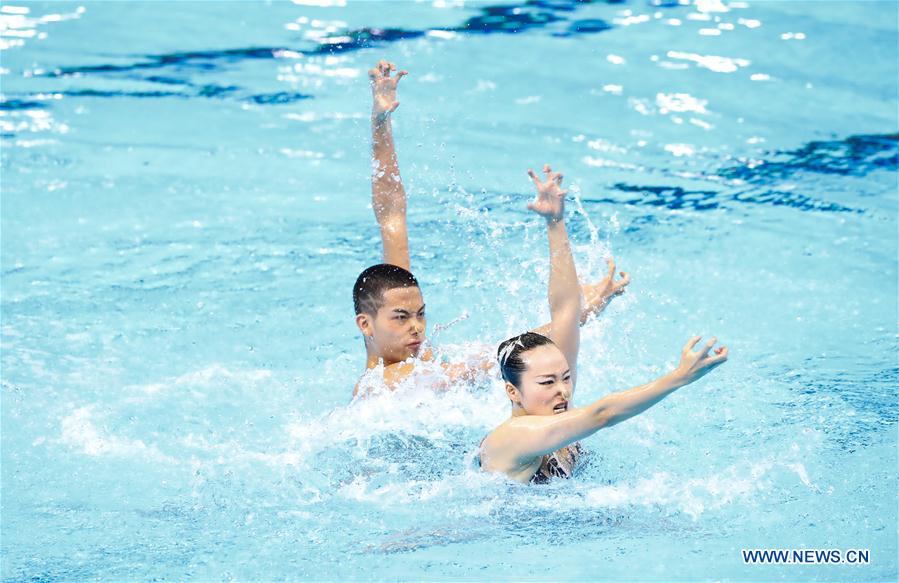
[425,405]
[78,431]
[693,496]
[210,376]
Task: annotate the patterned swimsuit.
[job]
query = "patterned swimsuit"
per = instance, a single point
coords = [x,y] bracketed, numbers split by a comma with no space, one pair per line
[552,466]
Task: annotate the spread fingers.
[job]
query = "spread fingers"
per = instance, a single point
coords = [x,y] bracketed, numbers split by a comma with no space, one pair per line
[691,343]
[708,346]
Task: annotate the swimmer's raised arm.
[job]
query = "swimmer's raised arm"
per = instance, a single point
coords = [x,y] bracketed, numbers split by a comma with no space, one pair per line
[388,197]
[596,296]
[593,298]
[564,289]
[529,436]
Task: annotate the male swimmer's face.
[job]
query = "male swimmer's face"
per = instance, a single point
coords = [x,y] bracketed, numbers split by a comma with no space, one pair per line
[546,383]
[399,326]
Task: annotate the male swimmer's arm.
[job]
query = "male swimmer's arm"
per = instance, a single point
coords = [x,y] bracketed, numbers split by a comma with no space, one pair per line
[597,296]
[530,436]
[564,289]
[388,197]
[469,371]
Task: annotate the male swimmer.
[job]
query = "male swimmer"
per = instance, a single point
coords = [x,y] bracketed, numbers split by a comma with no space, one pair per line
[540,440]
[390,310]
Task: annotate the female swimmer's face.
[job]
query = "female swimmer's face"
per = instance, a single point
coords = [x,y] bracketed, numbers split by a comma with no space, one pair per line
[545,384]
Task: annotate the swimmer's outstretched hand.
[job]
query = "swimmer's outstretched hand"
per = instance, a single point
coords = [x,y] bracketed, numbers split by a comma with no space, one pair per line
[598,295]
[383,89]
[550,201]
[695,364]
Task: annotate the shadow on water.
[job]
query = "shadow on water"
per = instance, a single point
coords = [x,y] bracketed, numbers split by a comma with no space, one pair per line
[757,181]
[852,156]
[851,398]
[678,198]
[206,91]
[492,19]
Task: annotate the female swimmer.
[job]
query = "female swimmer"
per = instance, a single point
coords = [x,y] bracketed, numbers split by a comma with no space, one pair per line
[540,440]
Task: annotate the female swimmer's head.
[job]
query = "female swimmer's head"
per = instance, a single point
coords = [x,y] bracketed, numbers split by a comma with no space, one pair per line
[538,379]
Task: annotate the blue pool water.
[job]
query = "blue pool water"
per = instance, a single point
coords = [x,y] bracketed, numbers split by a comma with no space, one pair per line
[185,207]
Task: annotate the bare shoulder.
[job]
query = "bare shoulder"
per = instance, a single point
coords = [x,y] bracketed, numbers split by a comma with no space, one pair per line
[490,452]
[393,375]
[497,449]
[396,373]
[509,432]
[499,453]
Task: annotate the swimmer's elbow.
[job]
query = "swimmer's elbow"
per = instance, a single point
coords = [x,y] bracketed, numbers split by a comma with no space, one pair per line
[565,307]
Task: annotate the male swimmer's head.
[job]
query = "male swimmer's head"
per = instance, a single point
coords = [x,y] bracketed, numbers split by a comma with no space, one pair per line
[537,375]
[390,312]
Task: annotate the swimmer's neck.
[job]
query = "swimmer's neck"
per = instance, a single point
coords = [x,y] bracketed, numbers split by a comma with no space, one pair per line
[518,411]
[372,359]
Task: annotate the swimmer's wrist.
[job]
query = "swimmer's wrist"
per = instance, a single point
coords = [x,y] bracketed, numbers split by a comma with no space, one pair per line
[552,221]
[380,117]
[676,379]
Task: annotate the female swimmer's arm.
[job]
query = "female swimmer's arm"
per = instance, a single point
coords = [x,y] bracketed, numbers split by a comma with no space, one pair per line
[595,298]
[535,435]
[564,289]
[388,197]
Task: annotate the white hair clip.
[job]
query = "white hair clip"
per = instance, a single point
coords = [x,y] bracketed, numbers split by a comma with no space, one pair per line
[507,351]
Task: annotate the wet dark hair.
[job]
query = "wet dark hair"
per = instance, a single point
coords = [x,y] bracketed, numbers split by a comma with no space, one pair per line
[510,352]
[368,292]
